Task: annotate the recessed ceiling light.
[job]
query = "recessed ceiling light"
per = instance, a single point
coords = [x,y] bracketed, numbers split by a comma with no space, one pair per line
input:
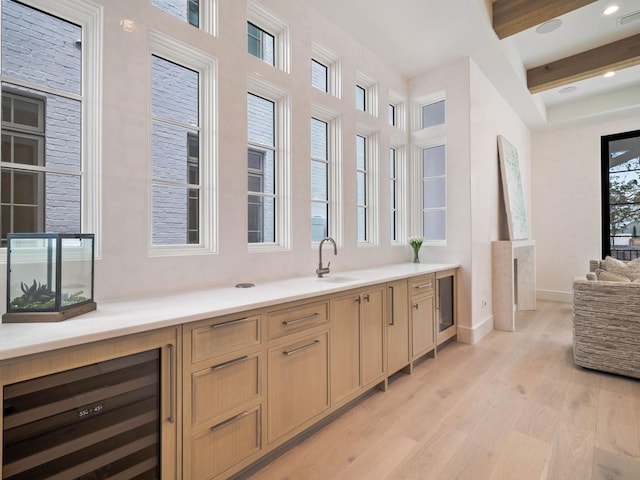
[611,9]
[549,26]
[569,89]
[609,74]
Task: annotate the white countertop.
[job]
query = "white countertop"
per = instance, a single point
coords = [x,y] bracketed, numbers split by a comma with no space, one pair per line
[116,319]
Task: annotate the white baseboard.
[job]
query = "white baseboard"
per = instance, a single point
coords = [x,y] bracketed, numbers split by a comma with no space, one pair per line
[554,296]
[475,334]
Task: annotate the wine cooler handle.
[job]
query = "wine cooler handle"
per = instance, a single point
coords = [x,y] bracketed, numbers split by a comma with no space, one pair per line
[172,384]
[392,320]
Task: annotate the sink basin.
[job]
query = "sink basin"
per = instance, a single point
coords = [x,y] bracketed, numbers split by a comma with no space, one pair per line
[337,279]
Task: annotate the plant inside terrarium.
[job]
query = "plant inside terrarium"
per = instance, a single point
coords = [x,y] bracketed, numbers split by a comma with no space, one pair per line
[38,296]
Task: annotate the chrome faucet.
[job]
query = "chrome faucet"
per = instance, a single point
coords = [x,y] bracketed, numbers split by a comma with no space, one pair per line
[322,270]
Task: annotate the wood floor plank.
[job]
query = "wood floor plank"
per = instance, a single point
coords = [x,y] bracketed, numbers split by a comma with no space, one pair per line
[608,466]
[540,416]
[513,406]
[523,457]
[574,438]
[385,454]
[616,430]
[476,456]
[430,456]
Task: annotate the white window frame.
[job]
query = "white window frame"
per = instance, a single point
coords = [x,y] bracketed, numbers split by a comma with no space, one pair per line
[370,87]
[189,57]
[400,104]
[260,38]
[334,177]
[208,16]
[282,105]
[326,74]
[419,185]
[401,193]
[268,21]
[420,102]
[89,17]
[333,63]
[372,190]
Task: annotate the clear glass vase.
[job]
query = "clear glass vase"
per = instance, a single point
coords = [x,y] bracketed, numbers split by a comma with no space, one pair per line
[416,256]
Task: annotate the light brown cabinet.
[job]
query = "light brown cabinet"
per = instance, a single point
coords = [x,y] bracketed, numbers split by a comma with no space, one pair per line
[372,336]
[422,302]
[357,342]
[223,370]
[398,338]
[233,388]
[298,383]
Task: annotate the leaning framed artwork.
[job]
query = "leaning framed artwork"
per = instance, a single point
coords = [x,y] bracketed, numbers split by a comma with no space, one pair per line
[512,190]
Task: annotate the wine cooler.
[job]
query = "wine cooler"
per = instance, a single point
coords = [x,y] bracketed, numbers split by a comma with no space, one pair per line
[445,305]
[94,422]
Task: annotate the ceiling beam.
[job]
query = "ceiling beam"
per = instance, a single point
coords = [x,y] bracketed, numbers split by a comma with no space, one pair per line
[513,16]
[614,56]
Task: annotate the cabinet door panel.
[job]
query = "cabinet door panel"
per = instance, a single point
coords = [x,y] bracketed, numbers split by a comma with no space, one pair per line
[345,346]
[298,378]
[397,326]
[372,335]
[422,324]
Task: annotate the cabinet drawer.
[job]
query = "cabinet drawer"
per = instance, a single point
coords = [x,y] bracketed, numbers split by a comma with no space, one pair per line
[225,444]
[422,284]
[224,386]
[297,318]
[224,337]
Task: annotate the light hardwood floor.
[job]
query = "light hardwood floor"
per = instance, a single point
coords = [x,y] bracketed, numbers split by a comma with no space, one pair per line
[512,407]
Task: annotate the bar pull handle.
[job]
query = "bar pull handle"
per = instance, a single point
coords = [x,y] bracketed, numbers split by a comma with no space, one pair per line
[366,297]
[286,323]
[423,285]
[229,363]
[229,323]
[299,349]
[392,320]
[416,306]
[231,420]
[172,384]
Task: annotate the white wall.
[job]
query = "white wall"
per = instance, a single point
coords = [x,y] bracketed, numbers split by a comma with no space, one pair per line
[566,201]
[490,116]
[125,268]
[453,80]
[475,115]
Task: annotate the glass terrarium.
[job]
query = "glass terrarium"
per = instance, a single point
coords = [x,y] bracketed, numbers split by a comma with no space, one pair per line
[49,276]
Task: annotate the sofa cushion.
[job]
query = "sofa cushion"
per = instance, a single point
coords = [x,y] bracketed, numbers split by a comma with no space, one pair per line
[631,269]
[606,276]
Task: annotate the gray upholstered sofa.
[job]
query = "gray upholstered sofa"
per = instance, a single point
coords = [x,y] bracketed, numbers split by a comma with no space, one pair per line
[606,318]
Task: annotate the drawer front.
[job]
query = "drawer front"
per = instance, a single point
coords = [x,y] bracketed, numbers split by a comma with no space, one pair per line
[422,284]
[224,337]
[225,444]
[297,318]
[224,386]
